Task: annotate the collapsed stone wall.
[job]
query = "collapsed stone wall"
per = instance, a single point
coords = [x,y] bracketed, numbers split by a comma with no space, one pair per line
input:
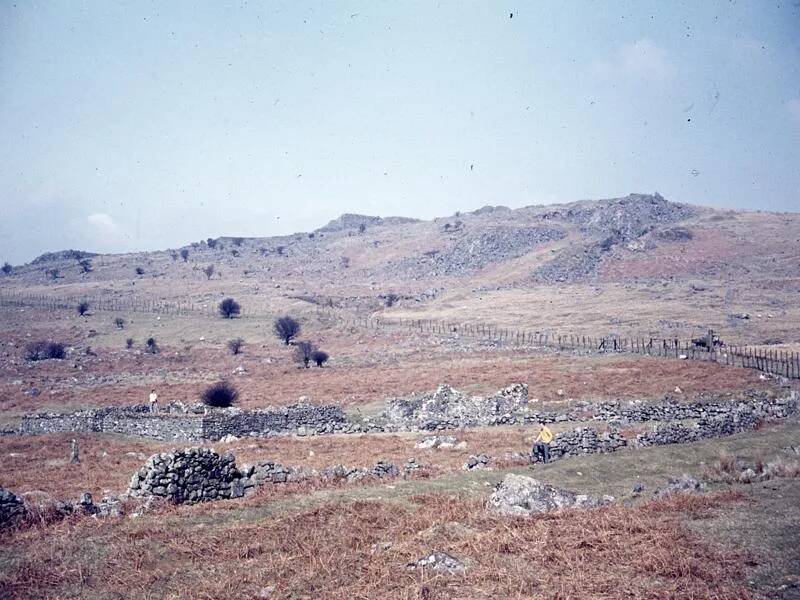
[447,406]
[200,474]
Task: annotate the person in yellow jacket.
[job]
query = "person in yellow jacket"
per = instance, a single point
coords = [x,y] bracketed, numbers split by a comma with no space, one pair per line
[541,445]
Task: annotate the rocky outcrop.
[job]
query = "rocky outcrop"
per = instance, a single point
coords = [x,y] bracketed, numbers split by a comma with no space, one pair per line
[521,496]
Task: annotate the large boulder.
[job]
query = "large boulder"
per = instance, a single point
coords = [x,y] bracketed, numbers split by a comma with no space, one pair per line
[519,495]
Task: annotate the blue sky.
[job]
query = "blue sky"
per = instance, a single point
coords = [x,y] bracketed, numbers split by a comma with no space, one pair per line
[132,126]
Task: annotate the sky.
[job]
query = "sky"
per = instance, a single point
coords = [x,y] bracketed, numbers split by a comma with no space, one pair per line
[128,126]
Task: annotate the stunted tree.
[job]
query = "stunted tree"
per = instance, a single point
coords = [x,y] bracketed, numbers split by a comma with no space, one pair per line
[83,308]
[140,270]
[173,255]
[53,274]
[229,308]
[185,255]
[86,265]
[7,269]
[303,352]
[286,328]
[235,345]
[320,357]
[119,322]
[237,241]
[152,346]
[209,271]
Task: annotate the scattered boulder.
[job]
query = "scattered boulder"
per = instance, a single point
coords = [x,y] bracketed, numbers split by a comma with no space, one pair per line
[519,495]
[477,461]
[681,485]
[439,561]
[437,441]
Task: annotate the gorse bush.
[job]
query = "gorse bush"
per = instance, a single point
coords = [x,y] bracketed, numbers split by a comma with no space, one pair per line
[44,350]
[229,308]
[220,395]
[286,328]
[320,357]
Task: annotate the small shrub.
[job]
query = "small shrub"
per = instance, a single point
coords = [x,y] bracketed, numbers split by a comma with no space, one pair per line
[391,299]
[234,253]
[229,308]
[220,395]
[119,322]
[286,328]
[7,269]
[185,255]
[152,346]
[303,352]
[235,345]
[173,255]
[319,357]
[53,273]
[212,243]
[140,270]
[44,350]
[85,265]
[280,250]
[345,262]
[238,241]
[209,271]
[83,308]
[129,343]
[362,227]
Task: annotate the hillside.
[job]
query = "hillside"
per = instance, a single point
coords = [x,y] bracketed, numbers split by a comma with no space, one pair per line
[571,266]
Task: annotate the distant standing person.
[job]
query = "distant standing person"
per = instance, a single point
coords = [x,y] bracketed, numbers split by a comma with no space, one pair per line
[153,401]
[541,445]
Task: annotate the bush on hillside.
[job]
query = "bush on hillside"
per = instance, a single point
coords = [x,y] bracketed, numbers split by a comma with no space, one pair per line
[220,395]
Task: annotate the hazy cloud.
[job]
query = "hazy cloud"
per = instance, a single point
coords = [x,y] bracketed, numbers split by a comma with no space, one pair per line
[103,227]
[640,60]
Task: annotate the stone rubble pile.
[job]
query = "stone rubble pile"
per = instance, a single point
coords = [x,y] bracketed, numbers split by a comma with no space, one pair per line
[518,495]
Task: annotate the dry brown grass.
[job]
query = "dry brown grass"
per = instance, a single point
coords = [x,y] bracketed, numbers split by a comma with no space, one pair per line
[332,552]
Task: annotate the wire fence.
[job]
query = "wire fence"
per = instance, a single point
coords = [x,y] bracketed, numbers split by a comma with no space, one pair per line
[773,361]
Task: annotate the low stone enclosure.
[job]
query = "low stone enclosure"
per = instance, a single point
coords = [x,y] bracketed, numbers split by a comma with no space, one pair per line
[444,409]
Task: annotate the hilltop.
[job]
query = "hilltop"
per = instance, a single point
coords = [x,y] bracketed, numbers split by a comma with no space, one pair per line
[568,266]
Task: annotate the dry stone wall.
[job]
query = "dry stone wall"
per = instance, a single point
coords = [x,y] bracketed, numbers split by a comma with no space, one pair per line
[189,425]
